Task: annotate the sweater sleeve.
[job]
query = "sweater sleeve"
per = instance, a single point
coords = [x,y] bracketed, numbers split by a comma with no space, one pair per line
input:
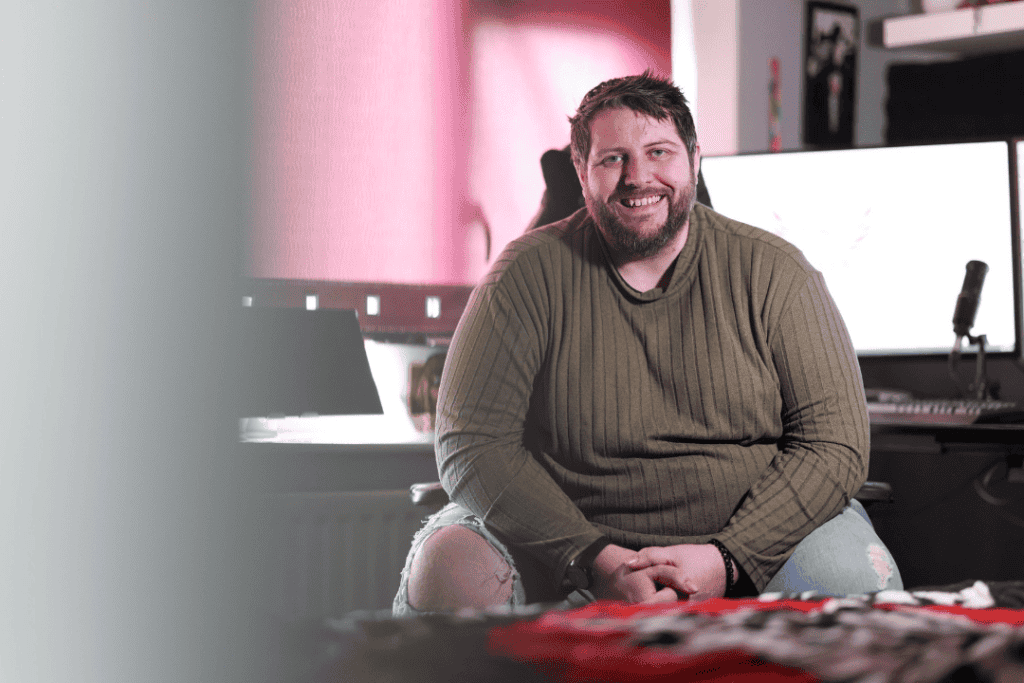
[824,450]
[484,399]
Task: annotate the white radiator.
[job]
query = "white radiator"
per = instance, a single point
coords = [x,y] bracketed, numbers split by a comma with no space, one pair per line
[338,552]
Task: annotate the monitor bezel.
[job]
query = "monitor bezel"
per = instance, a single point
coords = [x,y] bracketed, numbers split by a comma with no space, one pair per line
[1016,150]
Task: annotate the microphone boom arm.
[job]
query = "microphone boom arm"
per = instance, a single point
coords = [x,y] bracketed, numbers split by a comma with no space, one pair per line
[980,385]
[963,320]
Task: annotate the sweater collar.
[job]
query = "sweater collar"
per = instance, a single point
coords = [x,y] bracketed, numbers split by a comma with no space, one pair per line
[683,268]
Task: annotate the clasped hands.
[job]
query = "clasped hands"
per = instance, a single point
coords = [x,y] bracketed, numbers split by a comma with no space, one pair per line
[659,574]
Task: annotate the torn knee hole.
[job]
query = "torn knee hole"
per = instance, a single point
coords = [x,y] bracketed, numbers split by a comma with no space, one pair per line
[881,563]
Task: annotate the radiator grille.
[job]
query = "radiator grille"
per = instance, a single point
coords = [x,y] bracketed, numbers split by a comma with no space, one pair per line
[338,552]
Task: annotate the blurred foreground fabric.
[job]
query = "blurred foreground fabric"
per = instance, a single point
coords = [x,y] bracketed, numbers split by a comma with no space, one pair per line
[973,631]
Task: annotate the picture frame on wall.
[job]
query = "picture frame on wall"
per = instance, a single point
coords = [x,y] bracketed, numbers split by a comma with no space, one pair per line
[831,44]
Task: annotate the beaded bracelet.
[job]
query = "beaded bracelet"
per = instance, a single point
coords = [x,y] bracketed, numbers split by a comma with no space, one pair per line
[730,577]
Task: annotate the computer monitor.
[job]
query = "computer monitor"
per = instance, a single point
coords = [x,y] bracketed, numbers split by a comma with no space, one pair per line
[297,362]
[891,229]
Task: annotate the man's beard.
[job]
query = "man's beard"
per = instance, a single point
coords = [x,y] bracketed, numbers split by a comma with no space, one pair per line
[625,243]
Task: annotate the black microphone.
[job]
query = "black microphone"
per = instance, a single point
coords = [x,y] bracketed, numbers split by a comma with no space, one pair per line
[970,295]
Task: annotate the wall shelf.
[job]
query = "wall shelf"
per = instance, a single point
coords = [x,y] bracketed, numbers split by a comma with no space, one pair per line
[992,28]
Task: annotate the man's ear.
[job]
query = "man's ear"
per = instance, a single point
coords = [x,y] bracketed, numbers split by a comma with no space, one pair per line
[696,160]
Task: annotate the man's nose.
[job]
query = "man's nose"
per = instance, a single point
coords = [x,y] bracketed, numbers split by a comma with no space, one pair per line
[637,171]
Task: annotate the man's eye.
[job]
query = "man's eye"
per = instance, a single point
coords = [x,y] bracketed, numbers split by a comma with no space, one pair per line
[658,153]
[612,159]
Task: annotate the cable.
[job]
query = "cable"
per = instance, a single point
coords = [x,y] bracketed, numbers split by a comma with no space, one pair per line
[953,366]
[982,481]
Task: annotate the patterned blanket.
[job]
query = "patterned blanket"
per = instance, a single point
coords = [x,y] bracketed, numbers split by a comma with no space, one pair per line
[968,632]
[890,637]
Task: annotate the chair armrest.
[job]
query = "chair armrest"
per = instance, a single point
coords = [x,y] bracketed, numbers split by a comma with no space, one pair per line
[428,494]
[875,492]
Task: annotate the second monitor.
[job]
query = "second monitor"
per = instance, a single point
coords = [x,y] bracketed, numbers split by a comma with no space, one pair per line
[891,229]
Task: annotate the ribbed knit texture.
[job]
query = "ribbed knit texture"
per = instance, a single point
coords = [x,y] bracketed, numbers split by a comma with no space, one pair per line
[728,406]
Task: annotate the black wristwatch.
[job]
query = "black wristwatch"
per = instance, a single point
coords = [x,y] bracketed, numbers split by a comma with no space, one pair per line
[579,575]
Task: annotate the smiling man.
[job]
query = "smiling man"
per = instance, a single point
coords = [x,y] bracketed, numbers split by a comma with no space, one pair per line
[640,182]
[646,400]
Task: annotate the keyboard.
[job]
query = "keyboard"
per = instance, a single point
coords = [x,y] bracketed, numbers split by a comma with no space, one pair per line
[946,411]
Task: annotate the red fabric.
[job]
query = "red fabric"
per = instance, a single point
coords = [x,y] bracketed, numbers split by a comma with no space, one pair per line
[586,645]
[591,644]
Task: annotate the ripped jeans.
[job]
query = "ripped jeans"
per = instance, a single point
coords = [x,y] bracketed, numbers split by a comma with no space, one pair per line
[844,556]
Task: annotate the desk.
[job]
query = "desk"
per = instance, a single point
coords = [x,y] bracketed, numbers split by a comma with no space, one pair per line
[984,434]
[940,529]
[318,467]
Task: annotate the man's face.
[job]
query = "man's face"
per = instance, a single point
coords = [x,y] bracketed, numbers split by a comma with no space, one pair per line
[638,182]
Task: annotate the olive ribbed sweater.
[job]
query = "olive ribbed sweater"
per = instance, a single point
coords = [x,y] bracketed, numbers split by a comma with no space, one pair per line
[728,406]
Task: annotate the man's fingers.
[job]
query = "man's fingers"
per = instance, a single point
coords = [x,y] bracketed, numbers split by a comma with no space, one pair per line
[638,563]
[673,577]
[648,557]
[663,595]
[637,587]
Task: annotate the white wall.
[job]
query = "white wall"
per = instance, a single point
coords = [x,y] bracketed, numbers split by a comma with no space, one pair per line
[766,30]
[716,43]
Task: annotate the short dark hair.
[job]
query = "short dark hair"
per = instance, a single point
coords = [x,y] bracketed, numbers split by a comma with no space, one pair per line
[646,94]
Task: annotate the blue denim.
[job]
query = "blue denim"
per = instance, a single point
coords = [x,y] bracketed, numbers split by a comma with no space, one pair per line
[453,513]
[843,556]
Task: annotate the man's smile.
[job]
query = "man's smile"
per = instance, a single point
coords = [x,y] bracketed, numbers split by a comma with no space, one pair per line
[636,202]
